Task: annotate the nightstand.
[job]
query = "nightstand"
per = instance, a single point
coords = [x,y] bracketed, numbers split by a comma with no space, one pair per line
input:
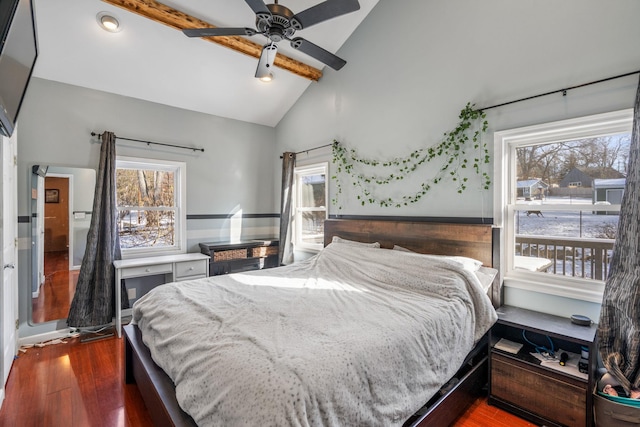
[542,392]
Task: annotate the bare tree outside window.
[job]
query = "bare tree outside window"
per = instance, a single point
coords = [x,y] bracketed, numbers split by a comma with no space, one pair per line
[559,220]
[146,205]
[600,157]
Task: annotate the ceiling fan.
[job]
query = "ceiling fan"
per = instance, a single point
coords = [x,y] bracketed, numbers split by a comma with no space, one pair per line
[277,23]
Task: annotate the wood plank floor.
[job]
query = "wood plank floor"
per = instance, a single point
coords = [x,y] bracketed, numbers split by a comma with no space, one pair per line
[481,414]
[73,384]
[56,293]
[81,385]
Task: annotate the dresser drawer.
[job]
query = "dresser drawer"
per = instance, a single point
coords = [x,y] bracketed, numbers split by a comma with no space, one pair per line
[558,398]
[191,268]
[146,270]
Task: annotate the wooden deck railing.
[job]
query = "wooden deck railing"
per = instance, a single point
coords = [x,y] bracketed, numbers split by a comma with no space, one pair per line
[586,258]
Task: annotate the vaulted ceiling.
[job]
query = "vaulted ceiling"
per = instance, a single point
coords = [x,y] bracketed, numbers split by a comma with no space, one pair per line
[151,59]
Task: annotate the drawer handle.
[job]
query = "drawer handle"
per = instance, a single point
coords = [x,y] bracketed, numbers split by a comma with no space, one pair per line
[190,268]
[147,270]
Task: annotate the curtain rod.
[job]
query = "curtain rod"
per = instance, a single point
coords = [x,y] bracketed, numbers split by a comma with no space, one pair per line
[314,148]
[152,142]
[563,91]
[311,149]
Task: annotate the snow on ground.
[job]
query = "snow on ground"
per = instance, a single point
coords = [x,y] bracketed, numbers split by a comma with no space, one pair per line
[587,224]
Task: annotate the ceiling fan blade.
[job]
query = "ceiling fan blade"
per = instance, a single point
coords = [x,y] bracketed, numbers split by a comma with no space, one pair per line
[318,53]
[267,57]
[259,8]
[322,12]
[212,32]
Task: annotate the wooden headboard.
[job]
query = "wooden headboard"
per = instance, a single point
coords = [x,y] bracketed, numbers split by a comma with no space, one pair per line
[479,241]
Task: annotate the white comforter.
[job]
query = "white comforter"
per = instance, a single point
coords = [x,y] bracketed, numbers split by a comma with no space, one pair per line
[353,336]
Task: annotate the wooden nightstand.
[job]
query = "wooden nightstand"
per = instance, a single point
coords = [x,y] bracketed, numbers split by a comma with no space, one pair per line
[541,392]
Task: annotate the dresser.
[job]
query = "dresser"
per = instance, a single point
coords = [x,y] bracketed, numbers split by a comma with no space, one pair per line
[227,257]
[174,268]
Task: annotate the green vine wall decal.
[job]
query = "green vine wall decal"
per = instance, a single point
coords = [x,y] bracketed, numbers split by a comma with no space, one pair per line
[452,151]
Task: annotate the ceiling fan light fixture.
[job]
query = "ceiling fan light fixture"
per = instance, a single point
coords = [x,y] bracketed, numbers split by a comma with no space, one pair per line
[267,78]
[108,22]
[278,23]
[265,63]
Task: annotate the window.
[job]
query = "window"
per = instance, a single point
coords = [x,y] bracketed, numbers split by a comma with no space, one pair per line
[310,206]
[559,239]
[151,203]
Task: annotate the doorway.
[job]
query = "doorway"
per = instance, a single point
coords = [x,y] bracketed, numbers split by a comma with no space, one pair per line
[58,277]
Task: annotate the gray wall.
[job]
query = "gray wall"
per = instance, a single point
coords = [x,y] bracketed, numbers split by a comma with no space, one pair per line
[233,175]
[413,65]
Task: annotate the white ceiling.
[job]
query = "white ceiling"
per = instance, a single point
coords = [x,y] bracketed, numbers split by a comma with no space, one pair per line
[153,62]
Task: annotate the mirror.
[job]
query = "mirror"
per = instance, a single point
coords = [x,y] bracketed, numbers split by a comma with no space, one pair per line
[61,204]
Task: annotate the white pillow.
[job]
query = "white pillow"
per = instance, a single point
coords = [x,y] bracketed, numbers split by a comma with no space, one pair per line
[486,275]
[470,264]
[337,239]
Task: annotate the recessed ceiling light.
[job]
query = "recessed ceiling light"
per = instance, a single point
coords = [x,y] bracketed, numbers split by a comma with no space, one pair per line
[108,22]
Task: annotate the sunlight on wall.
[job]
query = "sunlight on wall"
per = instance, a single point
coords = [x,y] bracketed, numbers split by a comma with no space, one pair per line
[235,229]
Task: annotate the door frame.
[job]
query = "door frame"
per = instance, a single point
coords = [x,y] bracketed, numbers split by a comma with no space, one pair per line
[70,218]
[8,288]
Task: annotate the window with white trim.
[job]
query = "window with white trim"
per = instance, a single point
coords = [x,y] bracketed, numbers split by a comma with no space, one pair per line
[559,240]
[310,206]
[150,197]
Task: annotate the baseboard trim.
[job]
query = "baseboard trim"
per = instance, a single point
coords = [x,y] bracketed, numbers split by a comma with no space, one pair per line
[36,294]
[47,336]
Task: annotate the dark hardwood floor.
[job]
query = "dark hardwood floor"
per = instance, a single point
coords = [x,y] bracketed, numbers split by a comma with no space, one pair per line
[58,288]
[81,385]
[72,384]
[481,414]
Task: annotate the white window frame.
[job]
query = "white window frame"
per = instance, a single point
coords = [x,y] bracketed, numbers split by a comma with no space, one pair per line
[180,192]
[299,172]
[505,143]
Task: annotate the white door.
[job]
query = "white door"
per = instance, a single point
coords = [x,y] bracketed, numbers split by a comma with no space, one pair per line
[8,258]
[40,233]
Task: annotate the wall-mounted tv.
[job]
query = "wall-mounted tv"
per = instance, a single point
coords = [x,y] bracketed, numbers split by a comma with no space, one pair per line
[18,53]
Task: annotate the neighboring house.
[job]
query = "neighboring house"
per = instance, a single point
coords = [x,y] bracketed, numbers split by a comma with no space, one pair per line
[532,188]
[608,190]
[604,173]
[576,178]
[580,182]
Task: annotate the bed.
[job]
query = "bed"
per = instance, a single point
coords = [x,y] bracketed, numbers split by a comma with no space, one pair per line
[430,401]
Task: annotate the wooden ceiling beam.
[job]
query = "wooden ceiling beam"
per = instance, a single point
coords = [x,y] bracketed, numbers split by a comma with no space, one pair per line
[173,18]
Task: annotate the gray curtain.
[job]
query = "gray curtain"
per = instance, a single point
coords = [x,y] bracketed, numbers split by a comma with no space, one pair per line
[94,300]
[619,327]
[285,250]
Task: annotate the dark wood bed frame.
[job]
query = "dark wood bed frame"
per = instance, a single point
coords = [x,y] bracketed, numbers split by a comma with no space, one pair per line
[473,240]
